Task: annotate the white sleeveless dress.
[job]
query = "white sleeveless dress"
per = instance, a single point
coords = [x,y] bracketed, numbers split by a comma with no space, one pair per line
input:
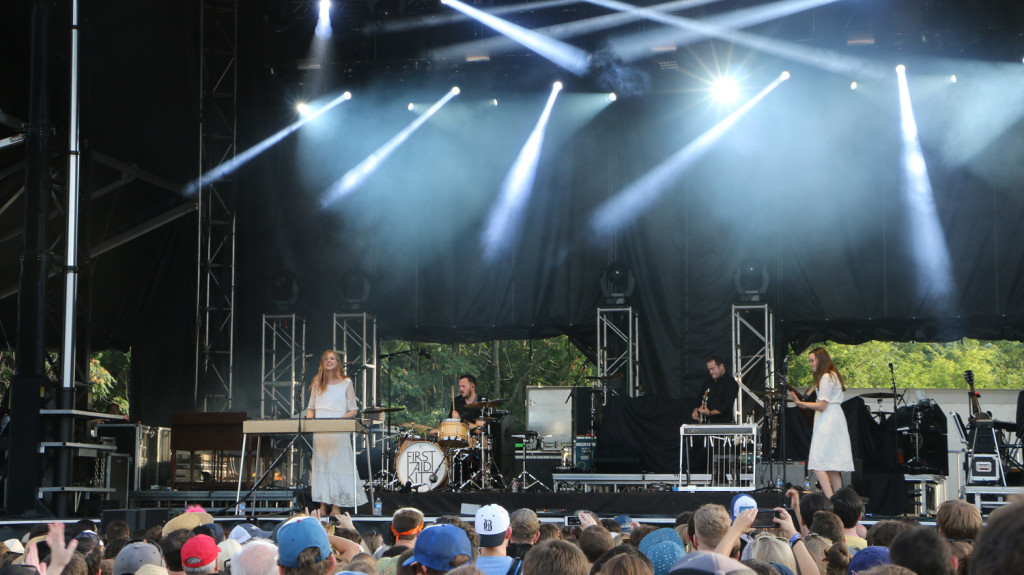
[332,452]
[830,444]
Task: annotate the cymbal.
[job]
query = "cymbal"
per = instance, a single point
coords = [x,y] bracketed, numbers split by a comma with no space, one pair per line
[373,410]
[415,426]
[488,403]
[878,395]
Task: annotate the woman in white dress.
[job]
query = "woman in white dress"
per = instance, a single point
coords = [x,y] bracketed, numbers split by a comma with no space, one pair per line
[331,395]
[830,445]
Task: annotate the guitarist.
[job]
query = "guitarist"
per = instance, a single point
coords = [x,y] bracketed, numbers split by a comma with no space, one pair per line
[719,393]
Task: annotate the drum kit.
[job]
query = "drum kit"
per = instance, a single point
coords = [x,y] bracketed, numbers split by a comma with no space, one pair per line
[458,458]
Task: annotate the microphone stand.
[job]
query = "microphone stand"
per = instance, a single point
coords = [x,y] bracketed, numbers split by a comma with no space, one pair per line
[895,423]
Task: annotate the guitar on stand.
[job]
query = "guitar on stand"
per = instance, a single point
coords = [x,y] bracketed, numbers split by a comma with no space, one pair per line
[974,398]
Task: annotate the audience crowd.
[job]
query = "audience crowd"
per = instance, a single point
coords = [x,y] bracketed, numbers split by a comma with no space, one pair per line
[814,535]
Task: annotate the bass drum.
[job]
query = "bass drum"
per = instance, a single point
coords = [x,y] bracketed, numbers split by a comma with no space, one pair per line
[417,461]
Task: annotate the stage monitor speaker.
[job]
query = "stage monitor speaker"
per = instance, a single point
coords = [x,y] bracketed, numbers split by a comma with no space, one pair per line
[138,519]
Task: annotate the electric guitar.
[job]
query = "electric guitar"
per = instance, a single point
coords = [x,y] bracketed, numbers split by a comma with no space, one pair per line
[976,412]
[811,395]
[704,405]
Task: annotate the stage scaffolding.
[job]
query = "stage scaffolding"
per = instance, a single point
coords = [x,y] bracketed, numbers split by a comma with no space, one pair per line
[215,277]
[618,353]
[282,394]
[355,336]
[753,351]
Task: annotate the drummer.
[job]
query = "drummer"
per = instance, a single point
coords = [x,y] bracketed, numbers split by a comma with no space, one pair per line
[469,415]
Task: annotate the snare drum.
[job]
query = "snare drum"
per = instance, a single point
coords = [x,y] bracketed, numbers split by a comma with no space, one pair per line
[453,433]
[417,461]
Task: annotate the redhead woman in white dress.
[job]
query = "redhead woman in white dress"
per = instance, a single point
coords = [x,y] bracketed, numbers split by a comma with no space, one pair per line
[332,395]
[830,451]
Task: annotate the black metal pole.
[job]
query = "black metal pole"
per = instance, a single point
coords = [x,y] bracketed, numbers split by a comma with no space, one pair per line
[21,495]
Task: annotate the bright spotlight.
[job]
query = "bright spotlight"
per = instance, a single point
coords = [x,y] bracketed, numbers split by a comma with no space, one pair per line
[303,109]
[323,24]
[725,90]
[952,78]
[346,96]
[325,5]
[455,90]
[494,101]
[785,74]
[612,97]
[557,86]
[854,85]
[411,106]
[901,68]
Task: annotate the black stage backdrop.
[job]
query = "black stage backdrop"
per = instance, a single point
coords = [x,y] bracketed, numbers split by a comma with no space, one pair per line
[809,184]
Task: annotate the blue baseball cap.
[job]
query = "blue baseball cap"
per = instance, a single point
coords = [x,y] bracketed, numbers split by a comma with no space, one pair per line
[869,557]
[299,534]
[437,545]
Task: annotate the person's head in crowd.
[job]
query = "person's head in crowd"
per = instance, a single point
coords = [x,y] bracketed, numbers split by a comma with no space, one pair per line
[243,532]
[709,563]
[554,556]
[663,547]
[303,548]
[214,530]
[192,517]
[80,526]
[362,563]
[549,531]
[439,549]
[107,567]
[525,526]
[172,543]
[594,541]
[228,548]
[837,559]
[811,504]
[999,547]
[493,526]
[350,534]
[199,555]
[35,531]
[882,533]
[683,518]
[887,570]
[910,521]
[474,537]
[710,522]
[628,564]
[116,529]
[406,525]
[135,555]
[958,519]
[615,552]
[76,566]
[773,550]
[761,568]
[639,532]
[962,551]
[372,540]
[400,568]
[611,525]
[848,505]
[682,525]
[867,558]
[828,524]
[923,550]
[256,557]
[817,546]
[114,546]
[90,549]
[151,570]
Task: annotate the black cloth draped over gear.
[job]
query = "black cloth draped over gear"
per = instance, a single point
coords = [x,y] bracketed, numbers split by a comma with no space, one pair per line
[640,434]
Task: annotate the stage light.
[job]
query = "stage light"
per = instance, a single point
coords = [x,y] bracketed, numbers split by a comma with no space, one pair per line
[854,85]
[456,90]
[612,97]
[323,23]
[900,69]
[411,106]
[952,78]
[303,109]
[346,96]
[785,75]
[557,86]
[494,101]
[725,90]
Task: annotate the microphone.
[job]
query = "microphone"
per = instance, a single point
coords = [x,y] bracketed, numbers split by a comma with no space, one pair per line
[308,356]
[890,367]
[423,353]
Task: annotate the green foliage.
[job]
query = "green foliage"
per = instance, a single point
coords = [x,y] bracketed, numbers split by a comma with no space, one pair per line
[996,364]
[426,387]
[108,374]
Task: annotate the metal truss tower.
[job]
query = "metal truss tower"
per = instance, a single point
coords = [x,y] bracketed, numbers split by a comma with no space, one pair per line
[753,350]
[355,336]
[618,354]
[284,353]
[215,289]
